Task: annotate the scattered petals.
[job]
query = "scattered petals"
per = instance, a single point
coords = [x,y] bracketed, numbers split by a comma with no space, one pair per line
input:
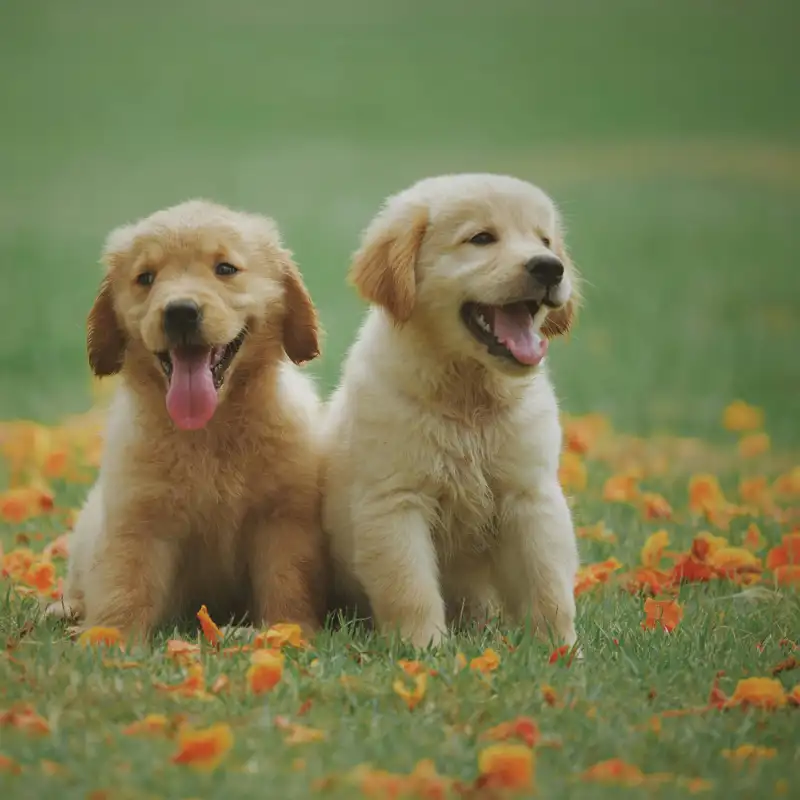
[572,472]
[193,685]
[151,725]
[740,416]
[614,771]
[210,629]
[665,614]
[203,749]
[523,728]
[758,693]
[488,662]
[266,670]
[597,533]
[181,651]
[23,717]
[621,488]
[749,752]
[654,506]
[9,766]
[280,635]
[653,548]
[414,695]
[506,766]
[756,444]
[787,552]
[109,637]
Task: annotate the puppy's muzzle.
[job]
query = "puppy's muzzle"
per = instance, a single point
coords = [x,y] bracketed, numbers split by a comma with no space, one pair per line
[182,323]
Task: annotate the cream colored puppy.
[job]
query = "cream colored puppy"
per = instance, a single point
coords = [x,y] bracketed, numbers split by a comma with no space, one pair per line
[441,493]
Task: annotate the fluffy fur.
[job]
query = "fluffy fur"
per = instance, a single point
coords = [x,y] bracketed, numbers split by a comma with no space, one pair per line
[227,514]
[440,490]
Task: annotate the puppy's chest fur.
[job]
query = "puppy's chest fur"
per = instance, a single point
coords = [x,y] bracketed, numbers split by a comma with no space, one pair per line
[466,479]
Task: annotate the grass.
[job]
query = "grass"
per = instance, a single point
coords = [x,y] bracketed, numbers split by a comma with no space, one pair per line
[668,135]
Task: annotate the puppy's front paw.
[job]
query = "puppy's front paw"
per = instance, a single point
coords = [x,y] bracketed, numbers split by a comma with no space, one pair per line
[424,636]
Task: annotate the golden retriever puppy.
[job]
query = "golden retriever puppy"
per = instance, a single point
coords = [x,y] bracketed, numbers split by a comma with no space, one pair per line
[208,489]
[440,490]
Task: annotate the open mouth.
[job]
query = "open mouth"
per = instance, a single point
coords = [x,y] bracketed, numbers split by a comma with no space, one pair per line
[507,331]
[196,373]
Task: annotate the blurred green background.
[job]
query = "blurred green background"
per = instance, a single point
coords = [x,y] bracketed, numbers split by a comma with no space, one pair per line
[667,132]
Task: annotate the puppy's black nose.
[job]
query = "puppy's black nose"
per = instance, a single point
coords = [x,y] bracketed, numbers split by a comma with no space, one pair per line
[548,270]
[181,319]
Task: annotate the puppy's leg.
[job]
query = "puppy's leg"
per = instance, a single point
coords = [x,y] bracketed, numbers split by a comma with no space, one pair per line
[395,561]
[287,572]
[131,579]
[83,543]
[537,559]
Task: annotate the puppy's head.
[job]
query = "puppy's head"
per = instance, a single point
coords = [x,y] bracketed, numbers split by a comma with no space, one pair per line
[193,295]
[476,261]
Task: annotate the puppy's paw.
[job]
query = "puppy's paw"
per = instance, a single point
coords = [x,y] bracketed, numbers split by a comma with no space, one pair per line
[64,610]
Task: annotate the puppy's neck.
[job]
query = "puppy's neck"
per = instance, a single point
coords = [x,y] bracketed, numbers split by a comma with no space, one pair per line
[459,387]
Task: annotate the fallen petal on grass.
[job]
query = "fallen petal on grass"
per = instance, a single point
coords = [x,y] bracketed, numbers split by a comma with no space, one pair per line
[203,749]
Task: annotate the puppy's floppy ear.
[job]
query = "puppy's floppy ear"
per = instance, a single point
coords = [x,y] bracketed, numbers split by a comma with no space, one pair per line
[105,339]
[560,321]
[383,268]
[300,325]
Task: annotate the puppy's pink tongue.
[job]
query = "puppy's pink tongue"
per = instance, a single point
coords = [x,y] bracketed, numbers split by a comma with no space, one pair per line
[192,397]
[513,327]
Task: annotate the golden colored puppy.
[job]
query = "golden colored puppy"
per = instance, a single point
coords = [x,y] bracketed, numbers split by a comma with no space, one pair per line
[440,490]
[209,484]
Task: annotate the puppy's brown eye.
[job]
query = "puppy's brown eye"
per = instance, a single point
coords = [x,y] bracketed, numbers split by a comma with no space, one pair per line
[546,241]
[145,278]
[224,268]
[483,238]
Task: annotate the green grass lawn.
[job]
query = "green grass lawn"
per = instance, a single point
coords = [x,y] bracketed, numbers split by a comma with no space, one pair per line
[669,133]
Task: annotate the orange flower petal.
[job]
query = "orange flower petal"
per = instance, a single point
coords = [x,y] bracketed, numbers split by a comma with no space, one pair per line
[572,472]
[740,416]
[729,560]
[622,488]
[412,696]
[756,444]
[705,494]
[753,538]
[193,685]
[151,725]
[759,693]
[749,752]
[787,552]
[788,485]
[280,635]
[41,576]
[203,749]
[614,771]
[98,635]
[653,548]
[58,548]
[181,651]
[520,728]
[17,562]
[9,766]
[506,766]
[654,506]
[788,576]
[210,630]
[664,613]
[266,670]
[23,717]
[488,662]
